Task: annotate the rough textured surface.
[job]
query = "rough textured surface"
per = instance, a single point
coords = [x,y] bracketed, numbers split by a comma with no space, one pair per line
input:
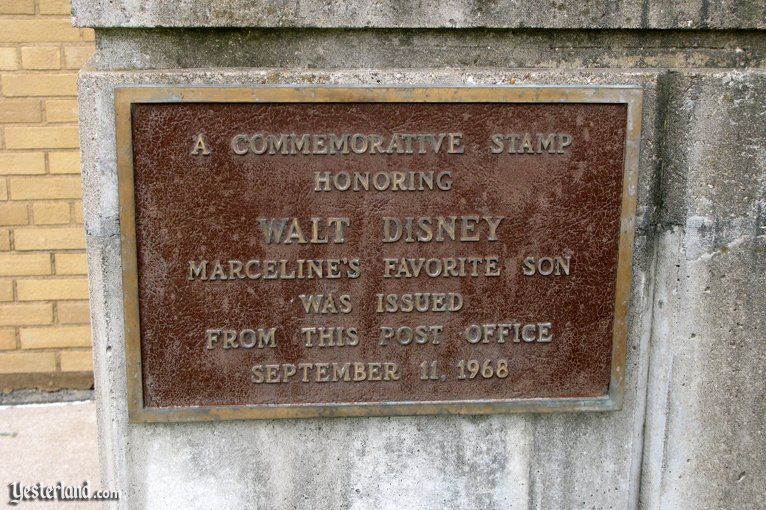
[422,13]
[48,443]
[406,48]
[706,420]
[177,220]
[501,461]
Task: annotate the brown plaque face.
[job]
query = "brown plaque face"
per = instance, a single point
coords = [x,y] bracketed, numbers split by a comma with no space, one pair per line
[293,252]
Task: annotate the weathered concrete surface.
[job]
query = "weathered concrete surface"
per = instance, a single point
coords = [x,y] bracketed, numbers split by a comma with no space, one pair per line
[706,408]
[422,13]
[405,48]
[49,443]
[501,461]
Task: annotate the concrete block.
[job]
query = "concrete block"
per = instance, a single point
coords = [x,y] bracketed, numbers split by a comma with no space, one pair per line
[599,14]
[706,409]
[399,48]
[502,461]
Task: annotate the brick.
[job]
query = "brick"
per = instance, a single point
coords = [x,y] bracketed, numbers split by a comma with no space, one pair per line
[45,290]
[26,314]
[41,57]
[3,190]
[63,137]
[38,30]
[22,163]
[41,188]
[27,264]
[13,214]
[87,34]
[73,312]
[5,239]
[9,60]
[64,162]
[55,337]
[27,362]
[6,290]
[71,263]
[77,361]
[16,112]
[49,238]
[7,339]
[61,110]
[78,214]
[17,7]
[40,84]
[76,56]
[55,7]
[50,213]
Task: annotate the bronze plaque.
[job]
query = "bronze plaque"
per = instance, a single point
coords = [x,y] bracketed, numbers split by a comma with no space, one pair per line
[303,251]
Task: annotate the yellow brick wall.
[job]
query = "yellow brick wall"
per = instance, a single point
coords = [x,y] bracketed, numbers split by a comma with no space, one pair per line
[44,330]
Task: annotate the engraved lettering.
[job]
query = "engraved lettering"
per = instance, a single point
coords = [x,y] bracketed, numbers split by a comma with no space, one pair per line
[289,230]
[239,145]
[529,143]
[454,144]
[419,302]
[323,304]
[540,332]
[200,147]
[441,267]
[441,228]
[197,271]
[259,338]
[406,335]
[354,372]
[330,337]
[345,143]
[546,266]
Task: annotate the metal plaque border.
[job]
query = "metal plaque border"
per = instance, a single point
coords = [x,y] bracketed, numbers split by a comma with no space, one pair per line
[632,96]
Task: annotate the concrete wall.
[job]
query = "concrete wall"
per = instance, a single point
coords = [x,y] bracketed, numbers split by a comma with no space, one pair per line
[691,433]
